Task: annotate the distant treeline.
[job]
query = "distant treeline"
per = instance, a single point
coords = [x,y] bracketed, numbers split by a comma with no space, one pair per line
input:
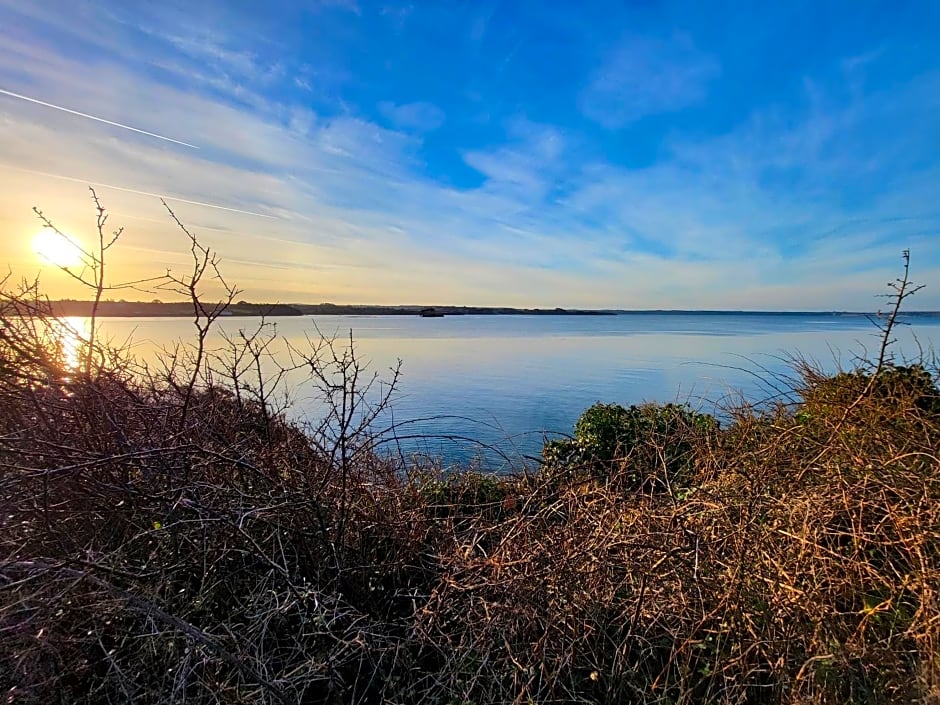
[244,308]
[138,309]
[367,310]
[147,309]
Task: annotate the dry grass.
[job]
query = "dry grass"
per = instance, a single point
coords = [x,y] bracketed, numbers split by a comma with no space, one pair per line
[169,538]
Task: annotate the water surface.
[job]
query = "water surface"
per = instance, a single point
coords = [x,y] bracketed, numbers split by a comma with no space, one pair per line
[508,381]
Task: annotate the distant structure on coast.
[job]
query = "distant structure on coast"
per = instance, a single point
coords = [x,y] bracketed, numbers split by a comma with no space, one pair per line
[430,313]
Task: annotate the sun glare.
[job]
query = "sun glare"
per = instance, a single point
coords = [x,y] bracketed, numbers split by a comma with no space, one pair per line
[72,335]
[53,248]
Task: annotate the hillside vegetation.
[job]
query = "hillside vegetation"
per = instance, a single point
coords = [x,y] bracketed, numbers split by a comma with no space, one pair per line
[167,535]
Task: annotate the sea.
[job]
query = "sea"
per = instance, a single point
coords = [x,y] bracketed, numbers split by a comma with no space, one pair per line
[488,390]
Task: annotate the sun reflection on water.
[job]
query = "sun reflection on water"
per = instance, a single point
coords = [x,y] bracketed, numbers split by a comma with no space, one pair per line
[72,334]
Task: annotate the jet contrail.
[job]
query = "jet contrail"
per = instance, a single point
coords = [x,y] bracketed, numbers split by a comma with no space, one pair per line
[97,119]
[175,199]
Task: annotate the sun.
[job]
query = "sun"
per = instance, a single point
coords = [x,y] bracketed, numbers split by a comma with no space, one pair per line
[56,249]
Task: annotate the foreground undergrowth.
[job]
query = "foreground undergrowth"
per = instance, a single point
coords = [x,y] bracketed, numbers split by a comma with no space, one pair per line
[167,535]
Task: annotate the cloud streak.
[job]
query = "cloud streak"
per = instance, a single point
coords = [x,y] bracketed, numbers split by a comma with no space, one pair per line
[645,76]
[124,189]
[43,103]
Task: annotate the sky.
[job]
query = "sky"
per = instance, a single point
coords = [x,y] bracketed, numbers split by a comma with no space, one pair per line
[578,154]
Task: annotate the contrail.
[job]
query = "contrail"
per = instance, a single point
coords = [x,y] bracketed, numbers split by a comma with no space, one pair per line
[175,199]
[97,119]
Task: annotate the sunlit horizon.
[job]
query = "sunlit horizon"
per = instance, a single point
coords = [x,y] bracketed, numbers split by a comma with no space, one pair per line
[500,154]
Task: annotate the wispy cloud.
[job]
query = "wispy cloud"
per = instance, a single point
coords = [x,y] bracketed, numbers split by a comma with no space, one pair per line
[209,48]
[643,76]
[112,187]
[398,14]
[422,116]
[348,5]
[796,203]
[526,167]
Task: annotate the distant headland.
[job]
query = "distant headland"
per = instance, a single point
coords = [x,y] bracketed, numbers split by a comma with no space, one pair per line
[176,309]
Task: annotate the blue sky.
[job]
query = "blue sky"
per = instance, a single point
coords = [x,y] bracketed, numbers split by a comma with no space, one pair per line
[628,155]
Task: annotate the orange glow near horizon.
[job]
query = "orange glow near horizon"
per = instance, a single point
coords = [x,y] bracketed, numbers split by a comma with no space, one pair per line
[55,249]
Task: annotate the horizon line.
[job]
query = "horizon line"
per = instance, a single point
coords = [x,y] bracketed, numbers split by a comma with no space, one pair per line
[514,308]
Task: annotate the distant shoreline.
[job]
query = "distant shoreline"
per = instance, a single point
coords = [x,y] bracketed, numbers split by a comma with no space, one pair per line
[154,309]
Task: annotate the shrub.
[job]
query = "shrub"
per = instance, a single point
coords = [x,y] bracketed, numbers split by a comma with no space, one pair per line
[639,447]
[901,385]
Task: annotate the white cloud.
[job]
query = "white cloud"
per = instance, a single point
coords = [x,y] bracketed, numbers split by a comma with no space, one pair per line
[208,47]
[553,223]
[643,76]
[421,116]
[527,167]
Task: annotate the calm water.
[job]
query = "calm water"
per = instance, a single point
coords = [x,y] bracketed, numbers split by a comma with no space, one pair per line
[507,381]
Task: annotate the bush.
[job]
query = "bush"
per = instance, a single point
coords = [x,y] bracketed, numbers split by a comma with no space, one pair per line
[640,447]
[901,385]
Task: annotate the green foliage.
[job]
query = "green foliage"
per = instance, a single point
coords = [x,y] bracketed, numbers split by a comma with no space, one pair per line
[644,446]
[862,400]
[469,493]
[895,382]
